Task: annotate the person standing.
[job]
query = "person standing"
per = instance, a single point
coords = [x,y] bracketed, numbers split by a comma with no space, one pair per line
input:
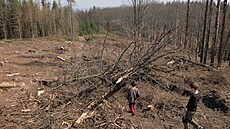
[133,96]
[191,108]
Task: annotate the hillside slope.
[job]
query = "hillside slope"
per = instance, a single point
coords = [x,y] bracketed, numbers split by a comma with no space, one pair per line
[42,98]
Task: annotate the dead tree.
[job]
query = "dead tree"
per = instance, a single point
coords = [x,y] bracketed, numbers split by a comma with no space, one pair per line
[226,47]
[216,35]
[204,32]
[220,54]
[70,18]
[229,57]
[208,32]
[177,23]
[186,26]
[140,8]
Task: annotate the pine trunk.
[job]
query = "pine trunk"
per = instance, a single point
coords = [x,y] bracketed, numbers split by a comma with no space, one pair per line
[70,18]
[208,32]
[177,23]
[204,32]
[216,35]
[54,23]
[220,54]
[3,22]
[20,29]
[226,46]
[197,44]
[31,25]
[229,56]
[4,30]
[186,26]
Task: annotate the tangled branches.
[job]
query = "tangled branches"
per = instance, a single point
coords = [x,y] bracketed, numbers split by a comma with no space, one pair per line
[139,59]
[109,64]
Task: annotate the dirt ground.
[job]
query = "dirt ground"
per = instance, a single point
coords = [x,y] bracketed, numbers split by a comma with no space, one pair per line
[36,100]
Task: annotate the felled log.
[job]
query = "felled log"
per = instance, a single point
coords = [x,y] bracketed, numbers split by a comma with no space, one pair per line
[10,84]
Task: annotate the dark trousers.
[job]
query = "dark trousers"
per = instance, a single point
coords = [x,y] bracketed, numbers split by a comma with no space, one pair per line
[132,107]
[189,118]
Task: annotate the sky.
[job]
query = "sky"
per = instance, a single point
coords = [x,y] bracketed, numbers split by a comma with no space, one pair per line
[99,3]
[86,4]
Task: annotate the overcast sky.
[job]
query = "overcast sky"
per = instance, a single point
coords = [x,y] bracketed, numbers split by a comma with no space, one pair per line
[86,4]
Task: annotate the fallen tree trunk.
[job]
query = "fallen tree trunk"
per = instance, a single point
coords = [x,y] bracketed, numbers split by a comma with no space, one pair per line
[90,110]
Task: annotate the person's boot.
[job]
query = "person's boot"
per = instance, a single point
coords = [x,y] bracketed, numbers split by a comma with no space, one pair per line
[200,127]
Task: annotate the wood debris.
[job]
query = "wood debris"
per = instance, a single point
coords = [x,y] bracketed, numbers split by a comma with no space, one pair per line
[11,84]
[83,116]
[13,74]
[26,110]
[60,58]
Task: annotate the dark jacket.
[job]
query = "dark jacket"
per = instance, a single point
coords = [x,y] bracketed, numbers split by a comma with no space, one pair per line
[193,102]
[133,95]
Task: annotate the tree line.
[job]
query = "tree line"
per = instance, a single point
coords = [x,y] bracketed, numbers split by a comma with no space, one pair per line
[202,28]
[30,19]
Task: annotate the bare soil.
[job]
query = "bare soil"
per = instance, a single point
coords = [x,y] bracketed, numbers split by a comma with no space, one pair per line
[39,101]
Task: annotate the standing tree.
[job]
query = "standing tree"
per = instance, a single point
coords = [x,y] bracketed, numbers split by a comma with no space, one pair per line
[177,23]
[31,18]
[186,26]
[204,32]
[216,35]
[226,46]
[229,57]
[70,18]
[14,19]
[54,12]
[139,12]
[220,54]
[59,20]
[42,19]
[3,21]
[208,32]
[140,8]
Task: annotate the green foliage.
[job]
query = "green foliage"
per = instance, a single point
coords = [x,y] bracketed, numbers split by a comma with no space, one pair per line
[88,26]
